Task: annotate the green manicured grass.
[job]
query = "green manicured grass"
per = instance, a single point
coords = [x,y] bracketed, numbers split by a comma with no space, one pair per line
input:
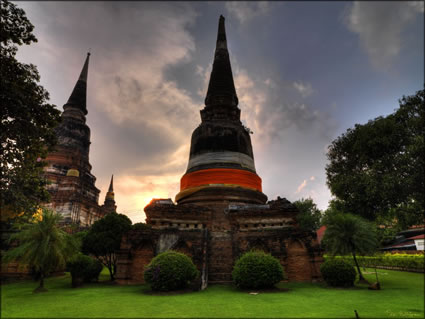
[402,296]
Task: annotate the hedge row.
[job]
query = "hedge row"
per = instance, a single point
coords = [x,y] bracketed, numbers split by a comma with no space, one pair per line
[400,261]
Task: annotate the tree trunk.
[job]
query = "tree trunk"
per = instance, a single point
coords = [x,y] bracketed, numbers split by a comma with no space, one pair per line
[76,281]
[40,288]
[114,263]
[361,278]
[111,273]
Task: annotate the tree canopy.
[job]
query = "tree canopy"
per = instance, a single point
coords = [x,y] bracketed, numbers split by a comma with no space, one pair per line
[309,216]
[376,170]
[104,238]
[27,120]
[349,234]
[42,245]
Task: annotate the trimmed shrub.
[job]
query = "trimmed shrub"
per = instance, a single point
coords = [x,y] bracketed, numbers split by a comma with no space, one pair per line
[256,269]
[92,273]
[83,269]
[338,273]
[170,270]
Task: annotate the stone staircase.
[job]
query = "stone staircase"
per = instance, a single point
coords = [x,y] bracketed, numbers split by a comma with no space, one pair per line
[219,269]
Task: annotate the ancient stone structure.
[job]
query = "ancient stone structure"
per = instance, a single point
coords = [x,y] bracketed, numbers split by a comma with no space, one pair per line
[72,188]
[221,211]
[109,206]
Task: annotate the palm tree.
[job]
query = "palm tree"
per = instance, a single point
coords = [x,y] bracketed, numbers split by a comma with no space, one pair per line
[349,234]
[43,246]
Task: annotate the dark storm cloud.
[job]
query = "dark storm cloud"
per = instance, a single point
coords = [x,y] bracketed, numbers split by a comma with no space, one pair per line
[381,27]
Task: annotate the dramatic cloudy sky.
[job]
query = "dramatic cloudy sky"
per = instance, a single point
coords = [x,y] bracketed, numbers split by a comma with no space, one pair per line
[304,73]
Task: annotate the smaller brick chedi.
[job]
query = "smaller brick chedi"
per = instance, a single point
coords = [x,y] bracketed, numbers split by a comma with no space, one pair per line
[72,186]
[220,211]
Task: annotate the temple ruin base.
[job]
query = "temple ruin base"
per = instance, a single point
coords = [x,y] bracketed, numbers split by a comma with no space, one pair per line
[216,234]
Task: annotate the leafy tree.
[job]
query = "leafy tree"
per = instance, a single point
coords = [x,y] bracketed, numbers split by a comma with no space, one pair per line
[79,237]
[376,170]
[104,238]
[334,207]
[309,216]
[349,234]
[43,246]
[27,120]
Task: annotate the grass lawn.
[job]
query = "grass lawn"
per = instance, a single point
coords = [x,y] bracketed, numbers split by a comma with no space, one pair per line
[402,296]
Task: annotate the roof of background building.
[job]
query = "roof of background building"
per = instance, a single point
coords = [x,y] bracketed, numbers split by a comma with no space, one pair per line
[422,236]
[320,233]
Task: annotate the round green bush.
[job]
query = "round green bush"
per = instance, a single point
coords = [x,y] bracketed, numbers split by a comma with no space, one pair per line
[83,269]
[170,270]
[256,269]
[92,273]
[338,273]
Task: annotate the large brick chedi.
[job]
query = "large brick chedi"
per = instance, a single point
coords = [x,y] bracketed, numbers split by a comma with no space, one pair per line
[220,211]
[72,186]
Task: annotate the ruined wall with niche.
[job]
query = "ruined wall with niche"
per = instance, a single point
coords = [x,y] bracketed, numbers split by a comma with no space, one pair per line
[272,228]
[138,247]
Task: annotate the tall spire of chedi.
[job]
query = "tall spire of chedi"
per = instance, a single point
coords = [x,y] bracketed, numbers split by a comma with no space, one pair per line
[78,96]
[111,185]
[73,190]
[72,132]
[109,206]
[221,88]
[221,162]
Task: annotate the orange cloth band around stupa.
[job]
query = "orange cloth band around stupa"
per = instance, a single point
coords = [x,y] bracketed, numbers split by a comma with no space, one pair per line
[221,176]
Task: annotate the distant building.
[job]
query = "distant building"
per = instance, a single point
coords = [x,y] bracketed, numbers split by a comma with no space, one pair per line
[419,241]
[410,239]
[320,233]
[72,186]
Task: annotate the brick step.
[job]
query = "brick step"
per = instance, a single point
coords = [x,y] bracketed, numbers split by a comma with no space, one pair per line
[219,277]
[219,261]
[221,255]
[220,265]
[218,269]
[219,282]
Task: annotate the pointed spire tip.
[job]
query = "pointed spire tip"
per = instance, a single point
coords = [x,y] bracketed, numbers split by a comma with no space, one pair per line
[78,96]
[111,184]
[221,85]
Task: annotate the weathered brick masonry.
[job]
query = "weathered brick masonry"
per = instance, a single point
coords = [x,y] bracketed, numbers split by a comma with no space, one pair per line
[216,235]
[72,185]
[220,211]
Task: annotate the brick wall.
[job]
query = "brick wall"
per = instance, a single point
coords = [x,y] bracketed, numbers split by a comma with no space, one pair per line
[230,234]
